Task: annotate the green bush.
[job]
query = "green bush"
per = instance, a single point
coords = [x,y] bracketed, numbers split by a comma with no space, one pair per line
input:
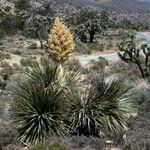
[81,47]
[17,52]
[2,33]
[7,8]
[22,4]
[99,65]
[32,46]
[37,25]
[1,108]
[4,56]
[2,48]
[28,62]
[3,84]
[7,71]
[95,46]
[8,23]
[122,69]
[73,65]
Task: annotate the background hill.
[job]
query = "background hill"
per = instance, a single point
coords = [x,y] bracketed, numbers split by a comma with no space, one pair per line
[120,6]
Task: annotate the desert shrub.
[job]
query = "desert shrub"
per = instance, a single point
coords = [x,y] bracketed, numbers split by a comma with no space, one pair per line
[7,8]
[28,62]
[3,64]
[49,146]
[2,33]
[99,65]
[73,143]
[57,146]
[95,46]
[73,65]
[8,135]
[3,84]
[32,46]
[133,25]
[141,97]
[102,106]
[17,67]
[130,71]
[7,71]
[37,26]
[1,108]
[8,23]
[138,140]
[88,52]
[11,84]
[1,43]
[46,10]
[82,142]
[4,56]
[17,52]
[2,48]
[22,4]
[13,147]
[138,137]
[81,47]
[39,104]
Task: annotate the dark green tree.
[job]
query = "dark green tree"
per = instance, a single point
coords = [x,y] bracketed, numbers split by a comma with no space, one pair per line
[22,4]
[88,23]
[8,23]
[37,27]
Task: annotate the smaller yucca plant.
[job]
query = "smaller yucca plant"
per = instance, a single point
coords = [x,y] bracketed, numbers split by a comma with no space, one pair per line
[60,42]
[104,105]
[39,104]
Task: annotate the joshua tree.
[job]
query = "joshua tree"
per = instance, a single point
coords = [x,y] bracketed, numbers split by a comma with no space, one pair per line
[88,22]
[60,42]
[37,26]
[130,53]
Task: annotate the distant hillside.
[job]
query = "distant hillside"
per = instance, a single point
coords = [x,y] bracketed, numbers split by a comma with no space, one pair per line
[138,10]
[119,6]
[144,0]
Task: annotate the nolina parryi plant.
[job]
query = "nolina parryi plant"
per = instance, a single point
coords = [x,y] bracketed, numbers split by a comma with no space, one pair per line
[60,42]
[47,104]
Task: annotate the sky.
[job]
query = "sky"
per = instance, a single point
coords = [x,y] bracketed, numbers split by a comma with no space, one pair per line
[145,0]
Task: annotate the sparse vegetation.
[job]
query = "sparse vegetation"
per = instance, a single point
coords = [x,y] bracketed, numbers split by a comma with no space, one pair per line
[53,99]
[4,56]
[99,65]
[28,62]
[6,72]
[22,5]
[46,145]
